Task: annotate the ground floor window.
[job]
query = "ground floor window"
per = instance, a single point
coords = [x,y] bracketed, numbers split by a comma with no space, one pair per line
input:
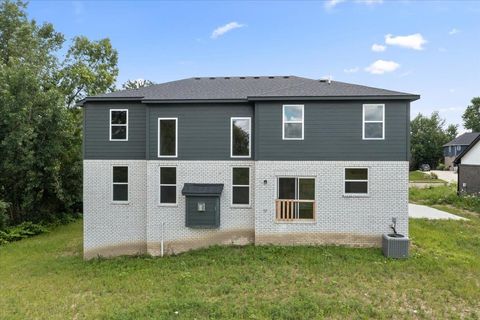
[120,183]
[168,185]
[295,198]
[356,181]
[241,186]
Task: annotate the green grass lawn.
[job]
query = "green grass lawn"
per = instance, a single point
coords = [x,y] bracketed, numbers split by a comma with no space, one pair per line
[419,176]
[44,277]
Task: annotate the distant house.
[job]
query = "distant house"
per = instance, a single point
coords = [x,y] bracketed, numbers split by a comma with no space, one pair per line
[468,163]
[455,147]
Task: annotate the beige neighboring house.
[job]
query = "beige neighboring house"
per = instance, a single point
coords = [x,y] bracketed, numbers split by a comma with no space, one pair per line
[455,147]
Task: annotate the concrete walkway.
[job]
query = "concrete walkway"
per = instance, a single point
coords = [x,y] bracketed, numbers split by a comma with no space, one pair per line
[449,176]
[417,211]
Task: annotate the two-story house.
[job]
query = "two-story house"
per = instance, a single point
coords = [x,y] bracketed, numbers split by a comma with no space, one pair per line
[237,160]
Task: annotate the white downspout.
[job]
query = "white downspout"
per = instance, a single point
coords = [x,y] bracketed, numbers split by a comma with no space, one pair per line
[161,243]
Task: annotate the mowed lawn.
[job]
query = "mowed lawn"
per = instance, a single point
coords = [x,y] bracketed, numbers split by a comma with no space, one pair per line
[45,278]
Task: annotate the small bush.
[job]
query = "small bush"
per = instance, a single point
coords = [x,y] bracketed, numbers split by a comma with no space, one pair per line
[21,231]
[441,166]
[433,176]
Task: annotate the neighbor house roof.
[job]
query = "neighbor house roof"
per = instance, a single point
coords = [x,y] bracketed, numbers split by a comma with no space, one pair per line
[463,140]
[464,152]
[236,89]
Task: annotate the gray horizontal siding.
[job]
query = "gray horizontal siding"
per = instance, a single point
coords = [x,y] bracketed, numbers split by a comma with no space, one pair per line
[203,129]
[97,126]
[333,131]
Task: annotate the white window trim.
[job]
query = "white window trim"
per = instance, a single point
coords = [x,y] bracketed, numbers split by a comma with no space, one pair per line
[114,183]
[277,190]
[284,121]
[176,138]
[371,121]
[237,205]
[160,203]
[345,194]
[249,136]
[118,125]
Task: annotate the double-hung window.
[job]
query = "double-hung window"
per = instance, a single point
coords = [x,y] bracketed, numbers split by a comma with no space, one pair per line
[168,185]
[167,137]
[120,183]
[241,186]
[373,121]
[356,181]
[295,199]
[292,122]
[118,125]
[240,136]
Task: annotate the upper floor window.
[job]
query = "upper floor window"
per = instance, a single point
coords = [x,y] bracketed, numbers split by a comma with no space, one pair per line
[373,121]
[356,181]
[167,137]
[292,123]
[240,137]
[120,183]
[118,125]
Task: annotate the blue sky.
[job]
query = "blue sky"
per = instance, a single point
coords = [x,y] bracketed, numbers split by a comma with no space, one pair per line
[425,47]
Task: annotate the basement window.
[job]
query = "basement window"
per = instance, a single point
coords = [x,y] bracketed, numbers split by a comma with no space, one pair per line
[118,125]
[120,184]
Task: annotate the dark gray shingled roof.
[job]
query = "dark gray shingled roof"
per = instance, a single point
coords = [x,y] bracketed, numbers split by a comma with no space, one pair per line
[463,140]
[249,88]
[458,159]
[202,189]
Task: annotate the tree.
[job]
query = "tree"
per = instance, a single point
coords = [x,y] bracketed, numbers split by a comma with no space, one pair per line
[90,68]
[471,116]
[427,138]
[40,137]
[136,84]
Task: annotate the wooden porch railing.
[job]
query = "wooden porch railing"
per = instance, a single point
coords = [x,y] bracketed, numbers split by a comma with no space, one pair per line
[286,209]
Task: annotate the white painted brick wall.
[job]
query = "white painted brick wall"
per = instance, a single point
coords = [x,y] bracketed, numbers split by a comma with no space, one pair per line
[106,223]
[231,217]
[138,223]
[336,213]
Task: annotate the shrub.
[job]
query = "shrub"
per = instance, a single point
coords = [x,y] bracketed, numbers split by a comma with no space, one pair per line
[433,176]
[21,231]
[441,166]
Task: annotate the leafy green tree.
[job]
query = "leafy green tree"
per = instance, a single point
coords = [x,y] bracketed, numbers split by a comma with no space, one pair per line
[40,137]
[136,84]
[428,135]
[471,116]
[90,68]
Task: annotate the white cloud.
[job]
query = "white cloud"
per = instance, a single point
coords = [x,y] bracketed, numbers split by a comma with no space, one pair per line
[351,70]
[453,31]
[78,7]
[226,28]
[330,4]
[382,66]
[413,41]
[405,74]
[370,2]
[378,47]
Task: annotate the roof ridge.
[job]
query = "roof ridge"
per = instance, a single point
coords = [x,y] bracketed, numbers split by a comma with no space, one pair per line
[287,87]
